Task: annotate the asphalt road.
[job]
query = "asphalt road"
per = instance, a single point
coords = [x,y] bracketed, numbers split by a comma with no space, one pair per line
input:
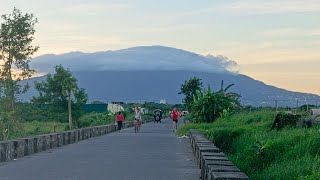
[155,153]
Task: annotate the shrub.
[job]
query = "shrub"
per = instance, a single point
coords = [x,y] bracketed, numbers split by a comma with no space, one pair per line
[283,119]
[207,105]
[224,137]
[95,119]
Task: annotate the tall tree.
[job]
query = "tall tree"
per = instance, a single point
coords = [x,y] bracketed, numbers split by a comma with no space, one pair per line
[189,89]
[16,49]
[59,89]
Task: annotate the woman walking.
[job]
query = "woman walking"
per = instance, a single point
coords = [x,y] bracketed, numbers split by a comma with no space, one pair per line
[137,119]
[119,120]
[174,116]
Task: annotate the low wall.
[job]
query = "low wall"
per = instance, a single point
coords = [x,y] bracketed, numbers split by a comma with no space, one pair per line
[212,162]
[17,148]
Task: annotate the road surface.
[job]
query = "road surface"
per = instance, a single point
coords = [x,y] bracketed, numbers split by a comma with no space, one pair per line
[153,154]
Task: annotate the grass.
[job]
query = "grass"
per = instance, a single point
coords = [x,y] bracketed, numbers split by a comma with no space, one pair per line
[32,128]
[263,153]
[36,128]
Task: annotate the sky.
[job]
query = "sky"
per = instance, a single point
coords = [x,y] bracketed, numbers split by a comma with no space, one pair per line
[275,41]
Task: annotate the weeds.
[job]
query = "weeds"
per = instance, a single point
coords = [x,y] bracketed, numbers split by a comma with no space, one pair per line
[292,153]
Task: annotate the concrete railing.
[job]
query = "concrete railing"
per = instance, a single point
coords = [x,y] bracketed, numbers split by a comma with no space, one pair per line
[212,162]
[17,148]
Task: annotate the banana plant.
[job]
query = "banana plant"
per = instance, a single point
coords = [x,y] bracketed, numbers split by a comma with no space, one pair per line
[260,147]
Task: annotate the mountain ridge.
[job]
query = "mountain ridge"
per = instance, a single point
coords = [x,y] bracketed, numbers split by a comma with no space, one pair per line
[160,70]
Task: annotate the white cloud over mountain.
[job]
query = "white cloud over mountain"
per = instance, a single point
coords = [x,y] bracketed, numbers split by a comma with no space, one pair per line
[137,58]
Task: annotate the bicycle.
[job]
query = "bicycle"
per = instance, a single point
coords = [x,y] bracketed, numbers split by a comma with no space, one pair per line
[137,126]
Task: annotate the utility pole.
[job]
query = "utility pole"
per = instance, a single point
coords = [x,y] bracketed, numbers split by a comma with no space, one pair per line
[297,106]
[276,104]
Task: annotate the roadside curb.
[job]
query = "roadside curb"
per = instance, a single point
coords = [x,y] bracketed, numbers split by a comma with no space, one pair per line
[18,148]
[212,161]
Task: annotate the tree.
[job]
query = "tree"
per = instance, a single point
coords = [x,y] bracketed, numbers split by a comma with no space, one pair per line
[16,36]
[189,89]
[58,91]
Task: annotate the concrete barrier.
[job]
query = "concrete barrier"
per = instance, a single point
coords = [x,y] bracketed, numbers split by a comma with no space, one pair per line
[91,132]
[36,145]
[18,148]
[86,134]
[59,140]
[212,162]
[76,135]
[6,150]
[104,129]
[28,146]
[45,143]
[53,141]
[65,138]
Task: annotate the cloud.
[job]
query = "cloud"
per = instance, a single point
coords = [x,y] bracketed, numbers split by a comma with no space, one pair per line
[225,62]
[289,32]
[91,8]
[273,7]
[137,58]
[259,7]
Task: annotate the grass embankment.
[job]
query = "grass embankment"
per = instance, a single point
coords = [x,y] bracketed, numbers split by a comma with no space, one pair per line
[32,128]
[262,153]
[36,128]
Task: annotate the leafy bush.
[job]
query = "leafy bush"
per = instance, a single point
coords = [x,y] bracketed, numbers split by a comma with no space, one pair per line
[283,119]
[95,119]
[207,105]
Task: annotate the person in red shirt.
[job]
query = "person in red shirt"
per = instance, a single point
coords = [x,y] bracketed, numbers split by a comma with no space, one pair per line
[174,117]
[119,120]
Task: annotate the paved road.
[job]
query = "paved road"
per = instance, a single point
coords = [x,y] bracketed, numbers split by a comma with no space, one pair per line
[153,154]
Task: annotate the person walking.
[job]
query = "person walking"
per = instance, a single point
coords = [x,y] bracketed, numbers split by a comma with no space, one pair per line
[119,120]
[174,117]
[137,119]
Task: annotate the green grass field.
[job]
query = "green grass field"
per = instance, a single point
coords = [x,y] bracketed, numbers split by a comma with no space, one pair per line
[36,128]
[263,153]
[32,128]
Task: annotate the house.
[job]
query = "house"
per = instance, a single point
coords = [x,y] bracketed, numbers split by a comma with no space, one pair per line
[163,101]
[115,107]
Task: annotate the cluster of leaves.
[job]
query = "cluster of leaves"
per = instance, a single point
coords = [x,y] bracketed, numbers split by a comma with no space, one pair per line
[95,119]
[207,105]
[55,94]
[6,125]
[260,154]
[189,88]
[29,112]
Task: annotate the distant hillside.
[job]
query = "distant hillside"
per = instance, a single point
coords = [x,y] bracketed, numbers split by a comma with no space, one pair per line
[134,86]
[151,73]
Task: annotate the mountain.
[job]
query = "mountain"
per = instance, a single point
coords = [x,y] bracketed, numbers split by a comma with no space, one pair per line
[152,73]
